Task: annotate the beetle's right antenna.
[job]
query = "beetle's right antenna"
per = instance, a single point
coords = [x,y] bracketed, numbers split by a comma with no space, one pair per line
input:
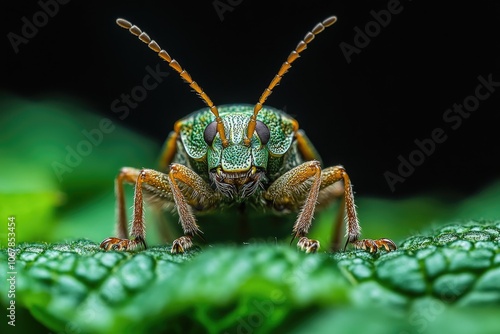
[294,55]
[135,30]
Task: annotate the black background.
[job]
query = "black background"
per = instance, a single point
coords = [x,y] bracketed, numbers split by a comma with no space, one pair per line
[362,114]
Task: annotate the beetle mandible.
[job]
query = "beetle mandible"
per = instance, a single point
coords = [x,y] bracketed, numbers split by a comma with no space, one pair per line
[232,154]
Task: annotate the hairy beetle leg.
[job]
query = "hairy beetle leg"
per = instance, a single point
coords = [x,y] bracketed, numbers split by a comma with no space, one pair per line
[308,245]
[182,244]
[329,177]
[374,245]
[291,185]
[158,185]
[129,175]
[119,244]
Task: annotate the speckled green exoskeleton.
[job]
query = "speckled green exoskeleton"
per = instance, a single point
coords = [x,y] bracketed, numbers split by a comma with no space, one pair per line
[234,154]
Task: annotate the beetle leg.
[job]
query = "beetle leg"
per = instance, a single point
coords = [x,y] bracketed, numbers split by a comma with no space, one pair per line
[166,186]
[138,232]
[169,150]
[128,175]
[330,176]
[182,244]
[305,146]
[289,189]
[202,196]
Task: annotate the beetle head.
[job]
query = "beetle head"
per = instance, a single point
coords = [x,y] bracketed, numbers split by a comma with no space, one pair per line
[237,169]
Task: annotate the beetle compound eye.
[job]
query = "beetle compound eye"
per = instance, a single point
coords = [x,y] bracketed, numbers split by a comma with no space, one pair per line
[263,132]
[210,133]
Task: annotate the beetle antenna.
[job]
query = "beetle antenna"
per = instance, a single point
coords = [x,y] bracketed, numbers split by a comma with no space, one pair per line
[284,68]
[135,30]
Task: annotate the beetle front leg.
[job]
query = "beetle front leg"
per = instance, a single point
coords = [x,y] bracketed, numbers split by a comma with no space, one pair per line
[203,196]
[166,186]
[158,192]
[138,232]
[289,189]
[128,175]
[334,174]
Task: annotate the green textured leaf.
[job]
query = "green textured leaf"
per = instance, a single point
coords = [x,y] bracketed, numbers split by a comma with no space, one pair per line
[444,281]
[458,264]
[78,288]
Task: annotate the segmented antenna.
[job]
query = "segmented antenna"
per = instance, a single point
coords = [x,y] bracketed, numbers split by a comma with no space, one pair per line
[284,68]
[135,30]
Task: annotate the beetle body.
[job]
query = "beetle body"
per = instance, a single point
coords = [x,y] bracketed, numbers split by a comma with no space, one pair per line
[235,154]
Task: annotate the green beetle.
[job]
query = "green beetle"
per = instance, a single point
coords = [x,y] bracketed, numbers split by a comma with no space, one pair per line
[233,154]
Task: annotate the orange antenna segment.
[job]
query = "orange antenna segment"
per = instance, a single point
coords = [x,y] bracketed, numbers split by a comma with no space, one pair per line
[135,30]
[294,55]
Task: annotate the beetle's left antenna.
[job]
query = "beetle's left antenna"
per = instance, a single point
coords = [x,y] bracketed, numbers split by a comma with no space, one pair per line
[294,55]
[135,30]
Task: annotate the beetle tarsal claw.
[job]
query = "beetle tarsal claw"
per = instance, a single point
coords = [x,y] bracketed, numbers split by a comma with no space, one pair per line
[119,244]
[374,245]
[308,245]
[182,244]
